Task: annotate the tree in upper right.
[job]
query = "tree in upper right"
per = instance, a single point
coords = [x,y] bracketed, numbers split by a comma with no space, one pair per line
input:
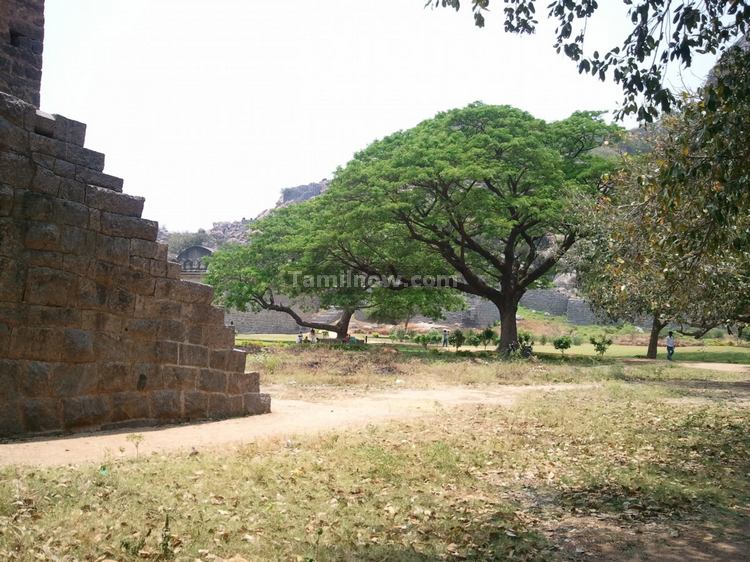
[663,32]
[637,259]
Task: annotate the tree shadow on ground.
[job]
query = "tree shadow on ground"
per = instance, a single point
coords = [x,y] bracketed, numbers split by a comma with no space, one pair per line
[500,536]
[593,538]
[708,389]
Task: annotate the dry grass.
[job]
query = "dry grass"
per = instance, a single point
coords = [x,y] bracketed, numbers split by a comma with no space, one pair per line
[642,460]
[299,372]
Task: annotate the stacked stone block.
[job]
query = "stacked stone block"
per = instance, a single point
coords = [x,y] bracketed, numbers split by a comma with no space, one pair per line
[21,37]
[96,328]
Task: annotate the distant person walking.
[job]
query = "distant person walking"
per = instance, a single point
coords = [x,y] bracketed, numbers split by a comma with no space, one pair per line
[313,336]
[670,345]
[445,337]
[299,337]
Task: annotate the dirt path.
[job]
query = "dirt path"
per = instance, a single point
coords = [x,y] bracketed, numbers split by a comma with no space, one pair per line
[289,417]
[725,367]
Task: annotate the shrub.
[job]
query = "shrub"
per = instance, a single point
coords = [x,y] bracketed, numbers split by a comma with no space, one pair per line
[525,338]
[422,340]
[434,336]
[399,334]
[562,343]
[576,340]
[473,338]
[600,343]
[526,343]
[488,336]
[457,339]
[543,339]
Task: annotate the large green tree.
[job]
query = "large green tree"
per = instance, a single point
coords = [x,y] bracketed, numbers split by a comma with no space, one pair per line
[286,268]
[663,32]
[637,261]
[486,194]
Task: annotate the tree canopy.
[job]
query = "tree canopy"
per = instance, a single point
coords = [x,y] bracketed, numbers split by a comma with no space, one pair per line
[286,268]
[705,161]
[485,194]
[638,261]
[663,32]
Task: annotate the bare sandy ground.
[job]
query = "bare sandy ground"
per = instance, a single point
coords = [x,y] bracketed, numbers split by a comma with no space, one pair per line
[289,417]
[725,367]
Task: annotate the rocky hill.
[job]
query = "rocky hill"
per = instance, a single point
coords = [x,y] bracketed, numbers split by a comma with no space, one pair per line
[298,194]
[236,231]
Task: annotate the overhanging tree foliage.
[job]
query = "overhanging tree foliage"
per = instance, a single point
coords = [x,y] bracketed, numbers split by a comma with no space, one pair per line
[485,193]
[706,161]
[663,32]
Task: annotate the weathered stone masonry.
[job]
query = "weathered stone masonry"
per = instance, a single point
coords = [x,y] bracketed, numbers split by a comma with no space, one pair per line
[96,329]
[21,37]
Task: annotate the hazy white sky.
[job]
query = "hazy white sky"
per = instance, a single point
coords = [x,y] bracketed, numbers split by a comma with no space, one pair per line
[209,108]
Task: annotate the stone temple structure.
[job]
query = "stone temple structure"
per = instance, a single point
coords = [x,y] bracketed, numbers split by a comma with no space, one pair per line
[96,328]
[193,266]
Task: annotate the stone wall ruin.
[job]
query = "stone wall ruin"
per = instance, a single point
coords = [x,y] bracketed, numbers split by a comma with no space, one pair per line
[21,43]
[96,329]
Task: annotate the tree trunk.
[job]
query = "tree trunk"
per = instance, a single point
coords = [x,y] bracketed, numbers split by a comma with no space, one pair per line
[508,327]
[342,326]
[653,342]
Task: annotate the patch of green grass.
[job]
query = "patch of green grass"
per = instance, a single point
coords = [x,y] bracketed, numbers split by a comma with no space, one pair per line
[712,354]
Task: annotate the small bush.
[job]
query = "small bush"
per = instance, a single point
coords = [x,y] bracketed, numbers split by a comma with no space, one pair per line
[422,339]
[473,338]
[543,339]
[434,336]
[526,344]
[562,343]
[399,334]
[601,344]
[525,337]
[576,340]
[457,339]
[488,336]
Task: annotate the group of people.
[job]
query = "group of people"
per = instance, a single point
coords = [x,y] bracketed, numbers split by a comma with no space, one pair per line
[312,337]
